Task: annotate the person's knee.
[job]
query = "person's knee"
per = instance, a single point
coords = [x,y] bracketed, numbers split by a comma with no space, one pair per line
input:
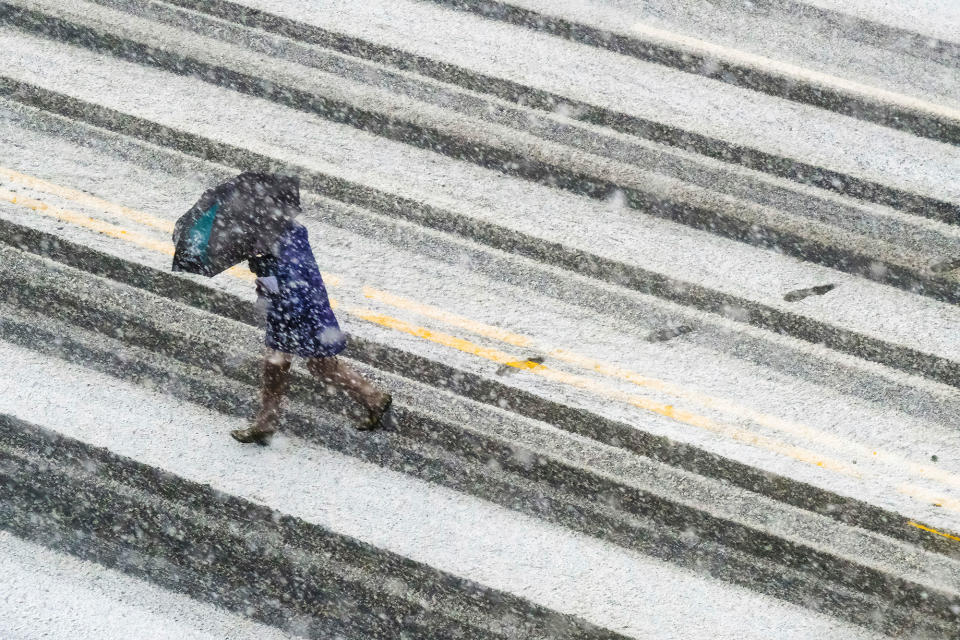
[278,359]
[324,367]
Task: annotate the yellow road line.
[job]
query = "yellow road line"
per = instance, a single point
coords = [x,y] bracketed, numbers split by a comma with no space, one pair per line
[494,355]
[104,228]
[491,354]
[774,422]
[85,221]
[86,199]
[452,319]
[930,497]
[500,357]
[615,371]
[524,364]
[139,217]
[934,531]
[562,377]
[601,367]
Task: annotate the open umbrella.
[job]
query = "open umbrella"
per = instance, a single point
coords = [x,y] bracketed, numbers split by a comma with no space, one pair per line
[234,221]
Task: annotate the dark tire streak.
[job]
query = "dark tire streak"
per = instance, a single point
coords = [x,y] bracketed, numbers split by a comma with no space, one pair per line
[251,559]
[912,121]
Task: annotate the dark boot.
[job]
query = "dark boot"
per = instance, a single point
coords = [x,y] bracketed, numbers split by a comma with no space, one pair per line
[275,377]
[380,416]
[335,371]
[253,434]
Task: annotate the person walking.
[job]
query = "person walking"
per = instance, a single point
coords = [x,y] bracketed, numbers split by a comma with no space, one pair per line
[253,217]
[300,322]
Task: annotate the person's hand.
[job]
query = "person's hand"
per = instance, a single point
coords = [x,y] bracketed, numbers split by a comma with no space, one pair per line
[267,285]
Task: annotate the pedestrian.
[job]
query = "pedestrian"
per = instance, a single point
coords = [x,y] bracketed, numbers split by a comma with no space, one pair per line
[254,217]
[300,322]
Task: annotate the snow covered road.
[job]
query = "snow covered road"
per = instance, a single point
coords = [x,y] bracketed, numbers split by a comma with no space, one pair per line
[546,564]
[616,339]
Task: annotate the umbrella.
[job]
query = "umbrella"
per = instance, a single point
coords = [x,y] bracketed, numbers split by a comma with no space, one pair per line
[234,221]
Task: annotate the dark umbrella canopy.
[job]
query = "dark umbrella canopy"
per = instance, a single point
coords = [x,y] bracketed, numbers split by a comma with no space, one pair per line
[235,221]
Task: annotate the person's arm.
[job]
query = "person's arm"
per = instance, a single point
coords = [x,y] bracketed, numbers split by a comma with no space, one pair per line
[265,267]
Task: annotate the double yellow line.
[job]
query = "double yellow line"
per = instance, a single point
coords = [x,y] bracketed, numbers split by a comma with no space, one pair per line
[498,356]
[438,337]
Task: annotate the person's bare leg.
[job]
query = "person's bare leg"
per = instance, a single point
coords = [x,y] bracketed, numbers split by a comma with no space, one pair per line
[276,374]
[335,371]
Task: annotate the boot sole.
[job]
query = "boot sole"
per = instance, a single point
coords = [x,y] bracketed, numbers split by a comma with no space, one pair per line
[262,439]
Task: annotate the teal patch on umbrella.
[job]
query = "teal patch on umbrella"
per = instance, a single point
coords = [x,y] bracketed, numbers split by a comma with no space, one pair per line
[199,236]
